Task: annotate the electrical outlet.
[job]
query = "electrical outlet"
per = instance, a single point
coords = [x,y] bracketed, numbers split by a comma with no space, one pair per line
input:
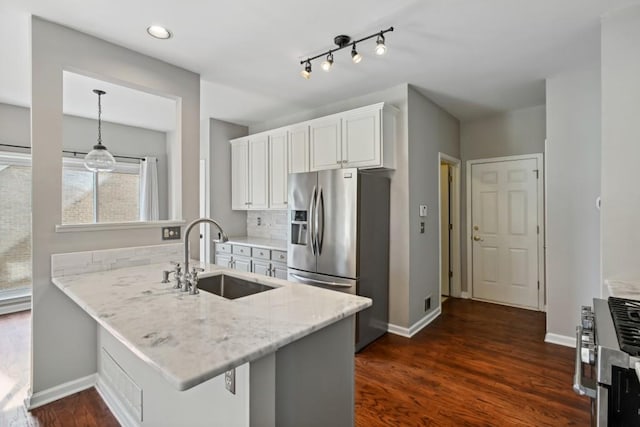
[230,380]
[170,233]
[427,304]
[259,221]
[421,227]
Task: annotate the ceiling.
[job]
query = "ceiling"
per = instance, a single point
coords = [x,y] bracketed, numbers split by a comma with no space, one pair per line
[472,57]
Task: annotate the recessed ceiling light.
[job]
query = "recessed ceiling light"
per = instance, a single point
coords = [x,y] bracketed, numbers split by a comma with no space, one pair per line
[159,32]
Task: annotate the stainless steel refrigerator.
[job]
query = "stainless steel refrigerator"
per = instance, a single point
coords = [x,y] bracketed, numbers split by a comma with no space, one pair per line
[338,238]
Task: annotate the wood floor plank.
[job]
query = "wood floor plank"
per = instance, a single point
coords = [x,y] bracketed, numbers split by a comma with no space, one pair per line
[478,364]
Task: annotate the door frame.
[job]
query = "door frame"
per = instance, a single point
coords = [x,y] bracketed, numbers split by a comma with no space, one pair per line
[541,221]
[454,209]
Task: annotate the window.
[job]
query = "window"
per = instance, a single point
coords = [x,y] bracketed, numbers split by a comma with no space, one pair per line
[15,221]
[89,198]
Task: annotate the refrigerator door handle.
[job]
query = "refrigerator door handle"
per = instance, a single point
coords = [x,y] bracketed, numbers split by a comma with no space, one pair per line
[310,228]
[319,221]
[319,282]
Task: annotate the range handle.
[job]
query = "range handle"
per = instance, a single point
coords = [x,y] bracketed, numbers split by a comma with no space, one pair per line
[320,282]
[578,386]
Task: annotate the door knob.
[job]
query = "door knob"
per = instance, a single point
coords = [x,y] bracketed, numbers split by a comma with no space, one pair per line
[477,238]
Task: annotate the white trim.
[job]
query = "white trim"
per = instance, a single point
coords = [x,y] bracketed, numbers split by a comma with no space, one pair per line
[114,404]
[58,392]
[539,157]
[17,159]
[465,295]
[560,340]
[416,327]
[14,305]
[105,226]
[454,203]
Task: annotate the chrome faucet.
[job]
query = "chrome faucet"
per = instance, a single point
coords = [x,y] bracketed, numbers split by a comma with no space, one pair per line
[190,278]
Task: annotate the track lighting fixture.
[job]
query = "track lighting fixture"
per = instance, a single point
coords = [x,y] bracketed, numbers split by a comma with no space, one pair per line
[327,63]
[381,48]
[355,56]
[306,73]
[343,41]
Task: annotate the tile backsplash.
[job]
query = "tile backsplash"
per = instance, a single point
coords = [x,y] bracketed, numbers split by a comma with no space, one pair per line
[273,224]
[68,264]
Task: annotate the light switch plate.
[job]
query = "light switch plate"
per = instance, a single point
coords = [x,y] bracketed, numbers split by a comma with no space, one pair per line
[170,233]
[423,210]
[230,380]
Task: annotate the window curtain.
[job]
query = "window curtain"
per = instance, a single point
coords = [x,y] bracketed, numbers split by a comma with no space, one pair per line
[149,207]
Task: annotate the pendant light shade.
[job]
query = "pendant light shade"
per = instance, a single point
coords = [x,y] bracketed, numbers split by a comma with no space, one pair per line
[99,159]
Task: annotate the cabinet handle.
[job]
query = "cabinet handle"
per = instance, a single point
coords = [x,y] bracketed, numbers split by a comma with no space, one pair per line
[339,162]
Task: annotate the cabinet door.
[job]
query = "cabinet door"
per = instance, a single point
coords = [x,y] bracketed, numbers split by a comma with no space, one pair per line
[278,170]
[240,174]
[361,143]
[223,260]
[259,172]
[279,271]
[242,264]
[299,149]
[261,267]
[325,143]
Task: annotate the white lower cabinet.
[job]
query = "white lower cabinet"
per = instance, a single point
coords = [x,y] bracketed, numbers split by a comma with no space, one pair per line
[257,260]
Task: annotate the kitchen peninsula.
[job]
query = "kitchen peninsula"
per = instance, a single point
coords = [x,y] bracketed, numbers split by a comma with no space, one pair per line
[162,353]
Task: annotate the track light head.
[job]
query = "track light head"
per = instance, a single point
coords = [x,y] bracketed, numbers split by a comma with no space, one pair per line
[306,73]
[381,48]
[355,56]
[327,63]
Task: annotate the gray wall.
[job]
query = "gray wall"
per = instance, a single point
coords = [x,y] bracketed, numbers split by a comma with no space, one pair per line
[573,183]
[431,130]
[63,336]
[513,133]
[15,126]
[220,132]
[620,144]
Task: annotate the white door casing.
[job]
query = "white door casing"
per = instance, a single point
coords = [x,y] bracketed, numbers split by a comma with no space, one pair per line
[504,230]
[445,238]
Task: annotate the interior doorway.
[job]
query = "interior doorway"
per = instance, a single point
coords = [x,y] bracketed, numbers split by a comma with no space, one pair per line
[449,230]
[505,230]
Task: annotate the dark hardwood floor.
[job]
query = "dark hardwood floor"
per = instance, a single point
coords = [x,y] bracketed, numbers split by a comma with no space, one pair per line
[477,365]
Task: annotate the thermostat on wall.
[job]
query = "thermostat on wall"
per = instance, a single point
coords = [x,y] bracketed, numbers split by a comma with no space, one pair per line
[423,210]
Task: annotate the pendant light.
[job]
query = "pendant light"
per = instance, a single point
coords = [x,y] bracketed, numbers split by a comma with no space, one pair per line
[99,159]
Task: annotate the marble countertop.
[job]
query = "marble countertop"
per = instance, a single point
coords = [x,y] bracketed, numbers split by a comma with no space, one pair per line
[623,289]
[278,245]
[190,339]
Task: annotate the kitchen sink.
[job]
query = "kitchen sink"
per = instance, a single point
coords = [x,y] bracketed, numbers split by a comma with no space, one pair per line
[230,287]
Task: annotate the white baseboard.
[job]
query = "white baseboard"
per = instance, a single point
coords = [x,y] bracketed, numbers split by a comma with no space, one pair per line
[15,300]
[416,327]
[114,403]
[465,295]
[560,340]
[58,392]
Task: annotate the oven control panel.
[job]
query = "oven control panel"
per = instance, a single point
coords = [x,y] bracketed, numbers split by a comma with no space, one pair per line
[588,348]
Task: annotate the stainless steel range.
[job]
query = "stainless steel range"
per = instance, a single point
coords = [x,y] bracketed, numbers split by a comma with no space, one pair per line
[608,361]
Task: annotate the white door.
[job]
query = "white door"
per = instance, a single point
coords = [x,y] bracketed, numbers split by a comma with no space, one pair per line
[298,149]
[504,212]
[259,172]
[361,138]
[325,142]
[240,174]
[278,170]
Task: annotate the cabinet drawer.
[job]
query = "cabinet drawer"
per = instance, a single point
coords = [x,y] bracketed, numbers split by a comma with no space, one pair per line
[241,250]
[261,253]
[224,248]
[279,256]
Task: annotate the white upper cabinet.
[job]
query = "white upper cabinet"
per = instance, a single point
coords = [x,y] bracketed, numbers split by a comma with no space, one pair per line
[361,138]
[325,142]
[240,174]
[258,172]
[299,149]
[278,170]
[250,172]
